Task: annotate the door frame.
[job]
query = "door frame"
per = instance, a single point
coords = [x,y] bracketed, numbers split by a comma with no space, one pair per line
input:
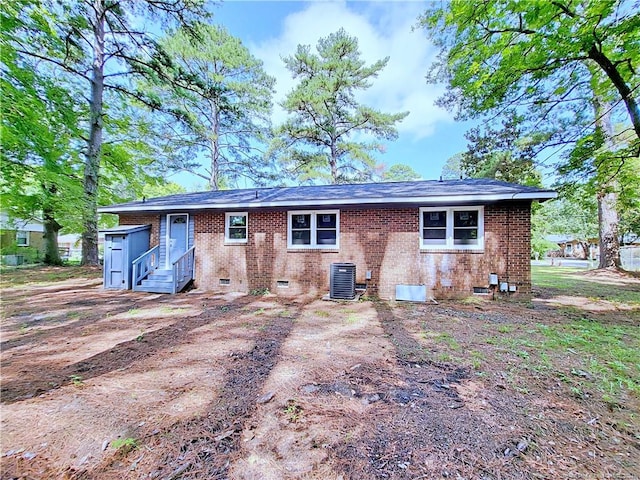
[168,236]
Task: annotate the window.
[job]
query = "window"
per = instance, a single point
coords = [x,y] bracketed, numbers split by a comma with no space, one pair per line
[434,227]
[459,228]
[235,227]
[22,238]
[314,229]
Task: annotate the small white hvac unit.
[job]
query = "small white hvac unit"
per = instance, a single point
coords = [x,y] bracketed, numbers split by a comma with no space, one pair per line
[343,281]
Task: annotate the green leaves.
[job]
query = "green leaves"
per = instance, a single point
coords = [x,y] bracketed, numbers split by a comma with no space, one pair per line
[531,54]
[39,158]
[503,154]
[564,66]
[327,134]
[221,97]
[68,65]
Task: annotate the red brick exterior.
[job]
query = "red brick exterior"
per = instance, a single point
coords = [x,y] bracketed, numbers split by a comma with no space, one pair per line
[385,242]
[144,219]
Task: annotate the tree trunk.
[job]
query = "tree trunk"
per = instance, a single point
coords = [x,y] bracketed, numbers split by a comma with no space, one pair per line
[333,162]
[608,220]
[607,194]
[215,168]
[585,250]
[94,148]
[51,226]
[214,181]
[51,229]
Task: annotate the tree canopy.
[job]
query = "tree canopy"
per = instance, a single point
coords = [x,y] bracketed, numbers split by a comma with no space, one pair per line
[570,72]
[94,47]
[536,55]
[399,172]
[39,159]
[329,134]
[222,105]
[501,153]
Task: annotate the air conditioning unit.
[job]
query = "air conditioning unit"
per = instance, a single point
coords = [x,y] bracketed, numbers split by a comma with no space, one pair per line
[343,281]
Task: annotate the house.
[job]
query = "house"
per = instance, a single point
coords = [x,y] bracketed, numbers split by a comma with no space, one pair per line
[573,247]
[70,246]
[443,236]
[21,241]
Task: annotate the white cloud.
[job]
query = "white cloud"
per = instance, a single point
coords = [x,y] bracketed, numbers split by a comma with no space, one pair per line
[382,29]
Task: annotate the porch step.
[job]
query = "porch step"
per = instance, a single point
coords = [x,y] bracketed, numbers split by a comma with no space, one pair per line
[160,281]
[161,275]
[153,286]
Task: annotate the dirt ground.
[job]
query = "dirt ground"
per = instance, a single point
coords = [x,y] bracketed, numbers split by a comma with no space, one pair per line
[111,385]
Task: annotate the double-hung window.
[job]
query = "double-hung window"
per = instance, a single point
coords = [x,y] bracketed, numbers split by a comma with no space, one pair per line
[313,229]
[458,228]
[236,226]
[22,238]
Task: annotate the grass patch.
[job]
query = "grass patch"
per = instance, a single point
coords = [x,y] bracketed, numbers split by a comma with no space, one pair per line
[125,444]
[43,275]
[77,380]
[569,281]
[473,300]
[505,328]
[607,355]
[352,319]
[170,310]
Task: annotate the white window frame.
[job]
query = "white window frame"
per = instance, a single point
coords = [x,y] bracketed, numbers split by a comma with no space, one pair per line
[449,240]
[227,217]
[22,234]
[314,214]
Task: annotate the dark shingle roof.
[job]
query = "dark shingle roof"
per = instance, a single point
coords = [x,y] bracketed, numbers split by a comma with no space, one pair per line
[394,193]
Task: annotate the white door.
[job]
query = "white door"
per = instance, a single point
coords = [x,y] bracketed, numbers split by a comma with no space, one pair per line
[177,236]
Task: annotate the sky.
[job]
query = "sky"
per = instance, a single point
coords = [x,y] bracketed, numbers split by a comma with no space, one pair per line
[428,136]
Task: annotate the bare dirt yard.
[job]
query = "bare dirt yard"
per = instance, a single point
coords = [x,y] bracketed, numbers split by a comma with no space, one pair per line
[112,385]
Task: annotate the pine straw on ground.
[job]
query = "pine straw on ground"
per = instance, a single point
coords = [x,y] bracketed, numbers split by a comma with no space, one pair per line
[420,410]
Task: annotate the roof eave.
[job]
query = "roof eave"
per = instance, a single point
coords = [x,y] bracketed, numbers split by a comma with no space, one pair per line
[442,199]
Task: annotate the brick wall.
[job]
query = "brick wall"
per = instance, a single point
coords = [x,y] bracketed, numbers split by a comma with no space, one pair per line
[144,219]
[382,241]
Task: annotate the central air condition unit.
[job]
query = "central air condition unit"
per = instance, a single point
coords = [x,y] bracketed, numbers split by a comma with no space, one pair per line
[343,281]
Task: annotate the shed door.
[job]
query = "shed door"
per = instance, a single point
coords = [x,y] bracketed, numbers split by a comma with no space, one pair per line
[177,236]
[114,263]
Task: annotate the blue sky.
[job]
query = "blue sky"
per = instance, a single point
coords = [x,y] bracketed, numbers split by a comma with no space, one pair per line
[273,29]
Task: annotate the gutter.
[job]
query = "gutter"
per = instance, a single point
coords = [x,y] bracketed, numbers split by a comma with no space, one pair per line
[443,199]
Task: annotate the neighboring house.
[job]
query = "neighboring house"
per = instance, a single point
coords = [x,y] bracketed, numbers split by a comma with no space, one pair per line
[571,247]
[70,246]
[445,235]
[21,240]
[589,249]
[630,239]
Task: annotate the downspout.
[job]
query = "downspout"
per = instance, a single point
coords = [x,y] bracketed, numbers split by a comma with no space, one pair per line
[509,240]
[508,243]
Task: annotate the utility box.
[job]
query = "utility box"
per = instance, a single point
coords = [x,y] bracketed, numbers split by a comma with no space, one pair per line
[411,293]
[122,245]
[343,281]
